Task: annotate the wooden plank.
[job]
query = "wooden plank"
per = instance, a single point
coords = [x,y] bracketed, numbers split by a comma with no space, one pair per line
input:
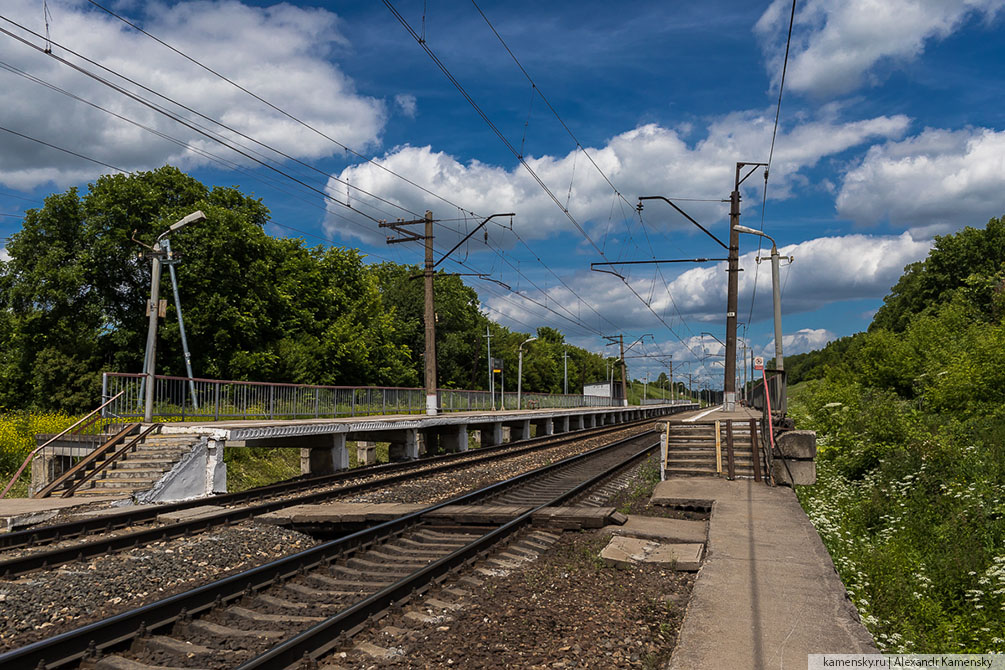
[755,450]
[729,449]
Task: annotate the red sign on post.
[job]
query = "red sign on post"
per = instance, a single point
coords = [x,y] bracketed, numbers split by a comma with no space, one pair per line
[758,362]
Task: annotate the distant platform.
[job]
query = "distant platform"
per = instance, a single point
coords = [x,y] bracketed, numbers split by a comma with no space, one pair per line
[578,417]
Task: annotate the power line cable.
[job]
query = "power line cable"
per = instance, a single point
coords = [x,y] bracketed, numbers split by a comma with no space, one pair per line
[471,101]
[579,145]
[288,115]
[67,151]
[453,80]
[8,194]
[190,124]
[265,179]
[285,113]
[771,152]
[202,131]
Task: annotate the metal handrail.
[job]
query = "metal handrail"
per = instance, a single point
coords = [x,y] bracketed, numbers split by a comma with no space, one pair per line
[30,456]
[101,467]
[86,461]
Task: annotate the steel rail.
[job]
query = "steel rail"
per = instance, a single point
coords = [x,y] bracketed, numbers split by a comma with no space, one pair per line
[66,648]
[42,535]
[31,562]
[320,639]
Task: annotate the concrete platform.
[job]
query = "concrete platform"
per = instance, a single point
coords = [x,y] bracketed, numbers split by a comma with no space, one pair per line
[339,513]
[362,427]
[767,594]
[624,552]
[665,530]
[16,513]
[710,414]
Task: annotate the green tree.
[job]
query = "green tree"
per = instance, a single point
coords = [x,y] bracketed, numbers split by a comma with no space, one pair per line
[951,262]
[460,326]
[73,296]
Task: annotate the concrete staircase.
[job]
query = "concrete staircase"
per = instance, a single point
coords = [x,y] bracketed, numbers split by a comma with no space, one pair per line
[140,468]
[691,450]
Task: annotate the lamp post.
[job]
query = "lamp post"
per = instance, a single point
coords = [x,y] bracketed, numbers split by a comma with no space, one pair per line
[776,292]
[156,254]
[519,372]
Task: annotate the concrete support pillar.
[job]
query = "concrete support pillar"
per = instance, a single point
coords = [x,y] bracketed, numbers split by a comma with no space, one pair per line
[324,460]
[405,446]
[492,434]
[366,452]
[577,422]
[216,469]
[562,424]
[455,438]
[545,427]
[520,431]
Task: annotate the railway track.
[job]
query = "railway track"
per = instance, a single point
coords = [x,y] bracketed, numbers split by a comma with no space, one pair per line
[300,606]
[374,477]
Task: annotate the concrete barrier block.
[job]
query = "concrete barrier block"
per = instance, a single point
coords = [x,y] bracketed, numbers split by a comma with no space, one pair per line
[799,444]
[787,472]
[624,552]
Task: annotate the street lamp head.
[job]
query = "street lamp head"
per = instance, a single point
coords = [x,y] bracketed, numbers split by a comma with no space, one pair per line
[753,231]
[191,218]
[529,339]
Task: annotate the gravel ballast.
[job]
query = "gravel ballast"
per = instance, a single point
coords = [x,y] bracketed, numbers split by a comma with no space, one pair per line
[42,604]
[565,609]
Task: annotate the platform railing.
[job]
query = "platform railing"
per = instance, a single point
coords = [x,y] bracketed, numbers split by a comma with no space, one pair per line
[216,399]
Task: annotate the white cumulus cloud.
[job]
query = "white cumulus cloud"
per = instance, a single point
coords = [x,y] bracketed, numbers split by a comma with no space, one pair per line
[936,181]
[838,43]
[406,103]
[799,342]
[824,270]
[4,255]
[280,52]
[649,159]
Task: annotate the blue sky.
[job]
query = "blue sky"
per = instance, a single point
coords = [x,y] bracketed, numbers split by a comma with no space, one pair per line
[891,131]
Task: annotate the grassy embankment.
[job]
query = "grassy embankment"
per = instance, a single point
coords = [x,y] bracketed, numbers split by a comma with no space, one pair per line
[912,509]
